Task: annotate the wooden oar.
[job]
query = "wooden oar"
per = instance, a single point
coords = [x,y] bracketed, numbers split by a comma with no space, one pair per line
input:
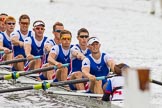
[46,85]
[17,60]
[16,75]
[156,82]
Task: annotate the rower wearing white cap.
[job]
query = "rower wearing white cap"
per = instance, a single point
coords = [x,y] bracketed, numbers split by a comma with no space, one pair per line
[34,45]
[95,65]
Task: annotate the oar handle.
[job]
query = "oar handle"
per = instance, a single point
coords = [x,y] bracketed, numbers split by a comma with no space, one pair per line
[1,52]
[104,77]
[37,57]
[63,65]
[100,78]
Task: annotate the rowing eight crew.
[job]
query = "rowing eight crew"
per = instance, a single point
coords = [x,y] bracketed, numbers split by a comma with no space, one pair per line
[86,58]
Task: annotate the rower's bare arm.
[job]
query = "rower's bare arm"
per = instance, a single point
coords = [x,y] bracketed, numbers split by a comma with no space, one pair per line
[78,55]
[6,50]
[74,53]
[1,46]
[48,47]
[15,41]
[86,72]
[111,64]
[51,59]
[27,48]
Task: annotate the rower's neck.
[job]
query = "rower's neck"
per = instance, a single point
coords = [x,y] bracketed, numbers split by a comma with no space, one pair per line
[96,55]
[57,41]
[38,38]
[65,47]
[8,33]
[83,47]
[24,32]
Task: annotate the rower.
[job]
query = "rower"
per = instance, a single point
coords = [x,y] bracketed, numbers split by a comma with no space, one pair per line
[34,45]
[5,42]
[60,54]
[78,53]
[57,28]
[114,86]
[17,39]
[95,65]
[3,16]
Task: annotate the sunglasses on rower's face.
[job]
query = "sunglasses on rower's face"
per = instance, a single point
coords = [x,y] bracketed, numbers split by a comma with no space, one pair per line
[66,38]
[58,31]
[39,28]
[83,36]
[11,23]
[24,23]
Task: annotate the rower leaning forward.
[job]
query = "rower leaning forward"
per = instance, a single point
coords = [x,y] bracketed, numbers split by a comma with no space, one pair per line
[95,65]
[34,45]
[17,39]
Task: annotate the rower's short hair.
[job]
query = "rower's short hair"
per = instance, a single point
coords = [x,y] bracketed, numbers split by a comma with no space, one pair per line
[3,17]
[82,30]
[24,16]
[57,24]
[65,32]
[3,14]
[10,18]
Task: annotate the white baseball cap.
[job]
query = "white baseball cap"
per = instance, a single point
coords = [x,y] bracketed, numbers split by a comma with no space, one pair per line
[38,22]
[93,39]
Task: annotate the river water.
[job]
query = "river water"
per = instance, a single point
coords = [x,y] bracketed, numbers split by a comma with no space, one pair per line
[126,29]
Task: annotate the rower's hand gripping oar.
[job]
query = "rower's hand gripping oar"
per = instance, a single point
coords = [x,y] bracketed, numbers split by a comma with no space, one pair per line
[15,75]
[46,85]
[17,60]
[2,52]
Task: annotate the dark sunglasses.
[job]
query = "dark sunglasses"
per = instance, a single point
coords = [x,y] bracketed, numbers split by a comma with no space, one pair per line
[83,36]
[38,28]
[24,23]
[58,31]
[11,23]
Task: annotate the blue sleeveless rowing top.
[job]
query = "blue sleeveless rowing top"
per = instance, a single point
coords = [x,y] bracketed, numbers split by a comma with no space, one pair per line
[76,63]
[100,69]
[37,51]
[6,43]
[20,50]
